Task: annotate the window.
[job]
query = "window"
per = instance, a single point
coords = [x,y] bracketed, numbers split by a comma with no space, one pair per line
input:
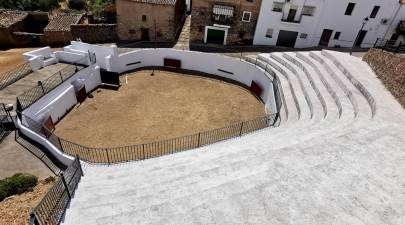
[303,36]
[349,9]
[269,33]
[308,10]
[143,17]
[375,11]
[246,16]
[337,36]
[278,6]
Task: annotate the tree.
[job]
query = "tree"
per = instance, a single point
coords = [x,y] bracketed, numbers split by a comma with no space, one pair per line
[29,5]
[77,4]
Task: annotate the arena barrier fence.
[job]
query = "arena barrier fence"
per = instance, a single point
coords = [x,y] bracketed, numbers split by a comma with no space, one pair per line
[52,207]
[14,75]
[150,150]
[32,95]
[390,46]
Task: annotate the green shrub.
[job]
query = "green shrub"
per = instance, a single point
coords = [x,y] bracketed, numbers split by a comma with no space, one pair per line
[17,184]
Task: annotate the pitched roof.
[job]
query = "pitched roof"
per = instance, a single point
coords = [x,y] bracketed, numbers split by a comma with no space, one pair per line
[62,22]
[157,2]
[9,18]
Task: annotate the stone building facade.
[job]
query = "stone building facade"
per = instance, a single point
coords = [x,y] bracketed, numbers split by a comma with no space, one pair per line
[224,21]
[10,22]
[58,32]
[94,33]
[149,20]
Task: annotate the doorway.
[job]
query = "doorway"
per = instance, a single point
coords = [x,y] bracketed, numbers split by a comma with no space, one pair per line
[291,15]
[325,38]
[360,38]
[287,38]
[145,34]
[215,36]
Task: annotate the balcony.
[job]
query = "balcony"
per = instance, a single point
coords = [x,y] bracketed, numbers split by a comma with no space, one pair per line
[222,20]
[222,14]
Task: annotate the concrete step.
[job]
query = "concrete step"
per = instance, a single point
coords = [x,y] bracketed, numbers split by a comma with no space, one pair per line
[363,108]
[303,109]
[351,77]
[329,94]
[206,190]
[336,86]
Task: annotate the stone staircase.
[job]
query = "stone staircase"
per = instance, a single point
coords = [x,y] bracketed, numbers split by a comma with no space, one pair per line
[183,43]
[338,157]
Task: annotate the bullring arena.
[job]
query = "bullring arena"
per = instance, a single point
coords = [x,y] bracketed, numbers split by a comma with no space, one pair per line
[165,136]
[162,106]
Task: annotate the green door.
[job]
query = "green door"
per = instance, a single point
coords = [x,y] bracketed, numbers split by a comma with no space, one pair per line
[215,36]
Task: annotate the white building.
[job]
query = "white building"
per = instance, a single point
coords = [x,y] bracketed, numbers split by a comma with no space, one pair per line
[333,23]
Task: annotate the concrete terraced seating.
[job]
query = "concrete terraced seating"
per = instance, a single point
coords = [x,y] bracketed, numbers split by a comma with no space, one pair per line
[338,157]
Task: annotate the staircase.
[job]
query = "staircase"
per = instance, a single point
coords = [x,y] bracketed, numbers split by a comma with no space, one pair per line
[338,157]
[183,43]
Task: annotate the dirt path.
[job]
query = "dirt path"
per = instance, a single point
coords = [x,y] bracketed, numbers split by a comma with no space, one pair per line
[15,210]
[11,58]
[151,108]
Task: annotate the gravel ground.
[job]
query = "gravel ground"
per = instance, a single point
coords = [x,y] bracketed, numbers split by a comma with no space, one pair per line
[15,209]
[151,108]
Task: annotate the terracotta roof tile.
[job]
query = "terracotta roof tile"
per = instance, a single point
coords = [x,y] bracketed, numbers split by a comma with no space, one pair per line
[8,18]
[157,2]
[62,22]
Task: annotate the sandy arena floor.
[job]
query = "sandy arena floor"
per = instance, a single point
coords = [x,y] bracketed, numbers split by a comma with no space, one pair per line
[150,108]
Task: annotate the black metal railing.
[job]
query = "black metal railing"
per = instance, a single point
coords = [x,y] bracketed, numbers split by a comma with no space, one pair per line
[32,95]
[5,120]
[150,150]
[35,150]
[14,75]
[275,82]
[52,207]
[390,45]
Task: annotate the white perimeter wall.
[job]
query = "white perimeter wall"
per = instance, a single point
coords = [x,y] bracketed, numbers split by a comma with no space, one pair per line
[57,102]
[243,72]
[101,51]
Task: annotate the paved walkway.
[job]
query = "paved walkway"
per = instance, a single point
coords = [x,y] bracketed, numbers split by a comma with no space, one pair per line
[13,157]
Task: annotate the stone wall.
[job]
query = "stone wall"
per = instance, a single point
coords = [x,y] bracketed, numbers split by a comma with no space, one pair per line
[239,31]
[57,38]
[136,20]
[390,68]
[94,33]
